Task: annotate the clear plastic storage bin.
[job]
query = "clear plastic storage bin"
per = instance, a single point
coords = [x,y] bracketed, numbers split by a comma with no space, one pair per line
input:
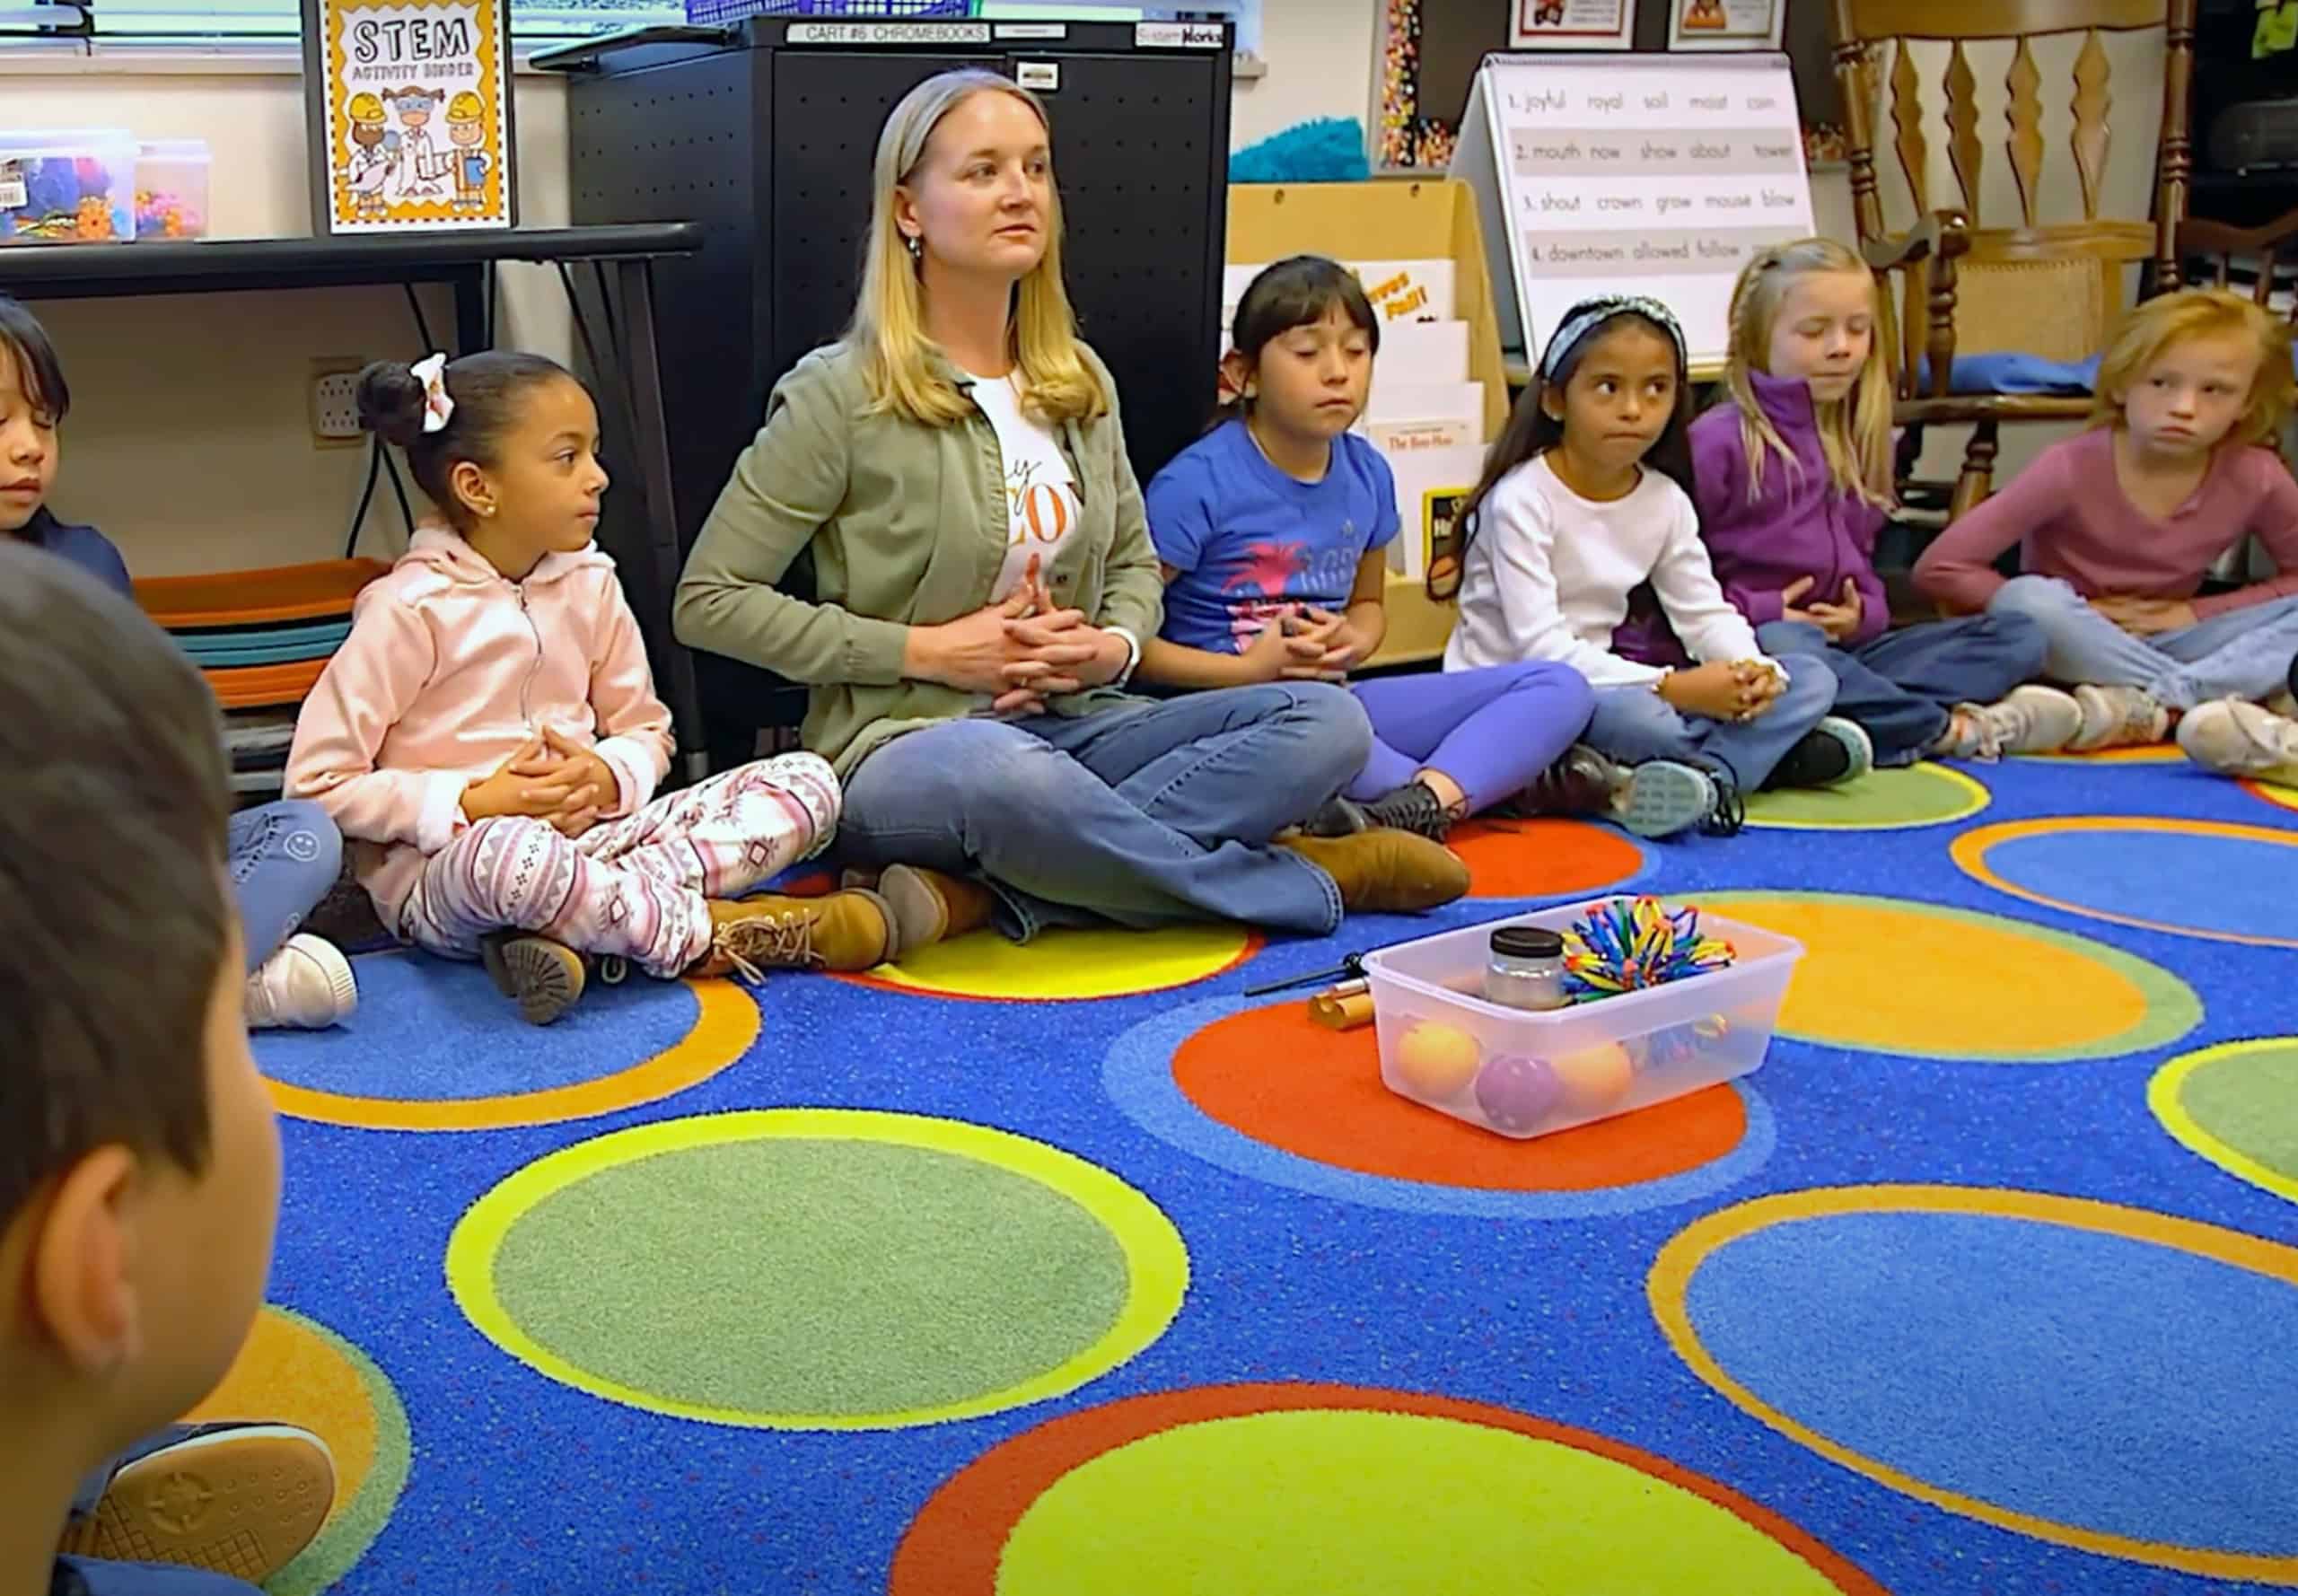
[68,186]
[1523,1073]
[172,187]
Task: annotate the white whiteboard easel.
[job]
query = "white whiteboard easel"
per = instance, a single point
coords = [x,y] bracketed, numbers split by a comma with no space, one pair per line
[1647,173]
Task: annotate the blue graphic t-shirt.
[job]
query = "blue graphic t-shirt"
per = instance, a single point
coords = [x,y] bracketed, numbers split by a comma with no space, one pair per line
[1251,543]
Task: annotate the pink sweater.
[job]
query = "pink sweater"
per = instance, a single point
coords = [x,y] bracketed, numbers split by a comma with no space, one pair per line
[2068,516]
[450,669]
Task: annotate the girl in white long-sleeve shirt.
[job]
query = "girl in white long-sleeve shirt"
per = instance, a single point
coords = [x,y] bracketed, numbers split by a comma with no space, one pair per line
[1581,516]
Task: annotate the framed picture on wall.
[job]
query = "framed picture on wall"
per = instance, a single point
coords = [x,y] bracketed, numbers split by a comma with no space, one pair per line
[1726,24]
[408,107]
[1572,25]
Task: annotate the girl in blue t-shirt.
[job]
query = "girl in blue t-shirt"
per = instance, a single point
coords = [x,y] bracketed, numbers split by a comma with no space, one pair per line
[1273,528]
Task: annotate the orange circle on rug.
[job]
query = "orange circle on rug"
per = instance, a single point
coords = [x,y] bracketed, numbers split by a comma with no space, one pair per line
[958,1544]
[294,1371]
[1334,1111]
[1545,858]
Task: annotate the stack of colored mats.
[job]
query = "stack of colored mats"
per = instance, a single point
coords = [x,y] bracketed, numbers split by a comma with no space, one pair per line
[261,639]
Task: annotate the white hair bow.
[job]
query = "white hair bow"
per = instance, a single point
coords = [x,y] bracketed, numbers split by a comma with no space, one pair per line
[438,409]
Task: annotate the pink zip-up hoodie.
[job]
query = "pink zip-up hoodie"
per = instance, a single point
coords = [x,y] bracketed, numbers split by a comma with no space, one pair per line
[450,670]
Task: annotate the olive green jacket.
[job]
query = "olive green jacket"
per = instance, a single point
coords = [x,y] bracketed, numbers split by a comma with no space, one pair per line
[908,525]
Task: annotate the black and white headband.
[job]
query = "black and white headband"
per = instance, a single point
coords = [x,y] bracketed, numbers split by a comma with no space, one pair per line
[1590,314]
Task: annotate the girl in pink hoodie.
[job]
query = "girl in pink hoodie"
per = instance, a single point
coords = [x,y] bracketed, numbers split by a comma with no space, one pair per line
[489,739]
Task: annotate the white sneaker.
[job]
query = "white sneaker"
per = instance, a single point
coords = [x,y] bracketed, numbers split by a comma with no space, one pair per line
[2238,739]
[2118,717]
[2032,720]
[305,985]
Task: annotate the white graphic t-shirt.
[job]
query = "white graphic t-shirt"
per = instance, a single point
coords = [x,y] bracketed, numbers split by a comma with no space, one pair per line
[1040,491]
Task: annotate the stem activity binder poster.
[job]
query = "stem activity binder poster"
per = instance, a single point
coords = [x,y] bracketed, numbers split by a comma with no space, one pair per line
[410,114]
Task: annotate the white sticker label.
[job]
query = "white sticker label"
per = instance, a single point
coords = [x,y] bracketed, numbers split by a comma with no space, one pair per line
[1044,77]
[15,192]
[869,33]
[1033,30]
[1178,35]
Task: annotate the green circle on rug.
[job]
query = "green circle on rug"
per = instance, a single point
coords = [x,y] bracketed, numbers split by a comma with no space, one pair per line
[1302,1503]
[2237,1105]
[1900,800]
[818,1269]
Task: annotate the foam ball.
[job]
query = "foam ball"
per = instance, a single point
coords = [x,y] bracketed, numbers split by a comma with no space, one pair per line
[1435,1060]
[1515,1094]
[1593,1079]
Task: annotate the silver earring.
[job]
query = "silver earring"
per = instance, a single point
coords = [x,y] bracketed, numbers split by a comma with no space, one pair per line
[917,248]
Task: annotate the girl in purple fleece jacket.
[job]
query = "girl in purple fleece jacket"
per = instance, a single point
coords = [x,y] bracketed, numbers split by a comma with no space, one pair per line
[1792,479]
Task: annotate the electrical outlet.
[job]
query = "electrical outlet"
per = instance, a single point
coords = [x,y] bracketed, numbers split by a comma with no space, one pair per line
[335,401]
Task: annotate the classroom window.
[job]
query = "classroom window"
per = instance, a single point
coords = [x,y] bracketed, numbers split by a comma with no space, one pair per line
[535,20]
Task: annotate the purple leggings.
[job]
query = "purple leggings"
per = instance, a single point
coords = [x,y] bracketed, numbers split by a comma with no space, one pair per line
[1491,730]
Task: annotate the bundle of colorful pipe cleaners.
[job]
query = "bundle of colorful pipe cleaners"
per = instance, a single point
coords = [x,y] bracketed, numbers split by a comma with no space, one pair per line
[1628,943]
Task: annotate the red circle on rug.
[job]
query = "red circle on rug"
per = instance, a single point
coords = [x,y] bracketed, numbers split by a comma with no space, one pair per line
[1542,858]
[1274,1074]
[954,1545]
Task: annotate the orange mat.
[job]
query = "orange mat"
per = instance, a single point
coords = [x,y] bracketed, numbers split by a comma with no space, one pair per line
[251,597]
[252,687]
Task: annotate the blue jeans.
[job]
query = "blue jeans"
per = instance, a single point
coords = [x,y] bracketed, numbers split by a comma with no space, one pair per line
[284,859]
[1635,724]
[1493,731]
[1899,687]
[1146,814]
[2244,653]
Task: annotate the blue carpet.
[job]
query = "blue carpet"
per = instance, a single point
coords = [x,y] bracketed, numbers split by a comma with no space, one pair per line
[2070,1373]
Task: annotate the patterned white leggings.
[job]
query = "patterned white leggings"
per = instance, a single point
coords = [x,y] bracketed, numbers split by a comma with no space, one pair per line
[633,888]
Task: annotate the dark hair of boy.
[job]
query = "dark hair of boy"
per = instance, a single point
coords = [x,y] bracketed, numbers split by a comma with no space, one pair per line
[113,906]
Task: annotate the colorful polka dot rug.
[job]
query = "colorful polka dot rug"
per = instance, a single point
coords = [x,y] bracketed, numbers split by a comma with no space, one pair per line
[1044,1270]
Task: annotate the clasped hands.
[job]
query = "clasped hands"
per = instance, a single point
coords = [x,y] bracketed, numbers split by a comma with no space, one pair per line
[551,778]
[1838,620]
[1023,651]
[1304,644]
[1724,691]
[2146,617]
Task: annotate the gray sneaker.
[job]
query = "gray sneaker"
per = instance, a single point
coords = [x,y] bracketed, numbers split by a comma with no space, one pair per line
[2235,738]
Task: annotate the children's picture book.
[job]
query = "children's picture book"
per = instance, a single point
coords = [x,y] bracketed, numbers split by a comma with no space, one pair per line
[409,103]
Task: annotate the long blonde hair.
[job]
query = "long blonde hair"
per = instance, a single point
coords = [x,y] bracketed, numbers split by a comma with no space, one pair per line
[889,325]
[2193,313]
[1854,431]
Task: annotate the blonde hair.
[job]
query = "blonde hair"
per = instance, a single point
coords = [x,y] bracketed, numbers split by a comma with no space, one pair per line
[889,325]
[2195,313]
[1855,430]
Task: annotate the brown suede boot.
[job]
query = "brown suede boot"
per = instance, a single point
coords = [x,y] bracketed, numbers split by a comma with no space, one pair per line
[929,907]
[844,931]
[1384,871]
[544,976]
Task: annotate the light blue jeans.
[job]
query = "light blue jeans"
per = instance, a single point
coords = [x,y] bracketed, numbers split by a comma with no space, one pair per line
[2244,653]
[283,858]
[1149,813]
[1635,724]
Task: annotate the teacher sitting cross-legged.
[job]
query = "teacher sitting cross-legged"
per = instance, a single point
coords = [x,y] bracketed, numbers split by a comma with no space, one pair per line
[984,579]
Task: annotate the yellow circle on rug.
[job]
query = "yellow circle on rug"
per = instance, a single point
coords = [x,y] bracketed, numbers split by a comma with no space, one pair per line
[1307,1501]
[1901,800]
[2236,1104]
[1887,974]
[2274,792]
[818,1269]
[292,1371]
[1068,963]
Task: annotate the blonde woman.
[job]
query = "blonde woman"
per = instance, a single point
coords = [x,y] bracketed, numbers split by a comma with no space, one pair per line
[985,580]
